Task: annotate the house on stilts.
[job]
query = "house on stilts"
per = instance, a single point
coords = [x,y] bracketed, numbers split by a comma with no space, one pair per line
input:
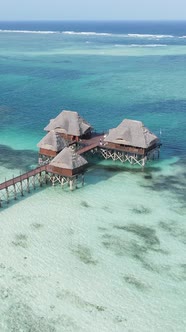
[70,125]
[50,145]
[131,141]
[67,167]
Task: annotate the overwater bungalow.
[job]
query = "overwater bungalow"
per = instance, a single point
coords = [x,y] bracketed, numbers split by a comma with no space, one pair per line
[50,145]
[67,166]
[70,125]
[133,140]
[68,163]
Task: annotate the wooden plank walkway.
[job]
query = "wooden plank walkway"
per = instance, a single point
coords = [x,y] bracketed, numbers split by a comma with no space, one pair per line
[89,144]
[22,177]
[85,146]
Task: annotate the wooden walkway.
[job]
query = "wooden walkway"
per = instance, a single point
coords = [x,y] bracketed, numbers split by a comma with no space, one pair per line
[18,185]
[22,177]
[89,144]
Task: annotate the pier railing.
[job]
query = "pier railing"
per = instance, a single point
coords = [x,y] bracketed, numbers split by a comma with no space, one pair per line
[25,182]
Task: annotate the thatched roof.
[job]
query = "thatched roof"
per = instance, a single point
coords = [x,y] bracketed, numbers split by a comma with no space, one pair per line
[132,133]
[68,159]
[70,123]
[52,141]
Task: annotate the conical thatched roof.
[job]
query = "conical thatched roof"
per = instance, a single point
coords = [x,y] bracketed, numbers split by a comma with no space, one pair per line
[52,141]
[132,133]
[68,159]
[70,123]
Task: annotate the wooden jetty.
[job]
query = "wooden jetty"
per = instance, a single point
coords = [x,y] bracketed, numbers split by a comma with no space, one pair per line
[25,182]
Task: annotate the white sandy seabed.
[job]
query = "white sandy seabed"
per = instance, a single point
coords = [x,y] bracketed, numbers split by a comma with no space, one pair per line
[107,257]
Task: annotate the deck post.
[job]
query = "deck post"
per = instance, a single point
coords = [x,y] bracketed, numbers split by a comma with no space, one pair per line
[21,184]
[46,177]
[14,189]
[53,179]
[144,161]
[40,179]
[7,195]
[71,181]
[28,186]
[83,179]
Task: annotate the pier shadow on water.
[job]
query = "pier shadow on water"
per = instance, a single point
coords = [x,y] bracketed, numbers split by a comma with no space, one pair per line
[101,171]
[17,159]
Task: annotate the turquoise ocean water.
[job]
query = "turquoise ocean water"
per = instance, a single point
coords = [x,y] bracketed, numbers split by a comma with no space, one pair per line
[111,255]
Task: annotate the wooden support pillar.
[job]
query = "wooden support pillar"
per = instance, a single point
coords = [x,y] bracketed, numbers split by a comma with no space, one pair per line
[21,184]
[14,186]
[34,183]
[114,155]
[46,177]
[7,195]
[15,193]
[144,161]
[28,185]
[83,179]
[40,179]
[71,182]
[53,179]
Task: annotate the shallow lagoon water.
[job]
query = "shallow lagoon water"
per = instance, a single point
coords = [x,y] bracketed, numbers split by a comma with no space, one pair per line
[109,256]
[95,260]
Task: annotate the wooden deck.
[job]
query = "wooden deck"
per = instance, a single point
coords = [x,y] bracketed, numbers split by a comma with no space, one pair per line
[91,143]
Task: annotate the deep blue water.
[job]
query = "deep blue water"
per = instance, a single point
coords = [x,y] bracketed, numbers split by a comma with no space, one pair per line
[176,28]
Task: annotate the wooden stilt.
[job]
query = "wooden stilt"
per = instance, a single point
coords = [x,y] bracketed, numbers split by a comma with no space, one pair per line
[53,180]
[40,180]
[15,193]
[83,179]
[7,195]
[71,184]
[21,185]
[46,177]
[28,185]
[14,186]
[34,183]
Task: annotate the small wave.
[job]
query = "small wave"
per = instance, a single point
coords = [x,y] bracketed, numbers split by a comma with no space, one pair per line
[86,33]
[28,31]
[62,32]
[90,33]
[182,37]
[136,35]
[148,45]
[142,46]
